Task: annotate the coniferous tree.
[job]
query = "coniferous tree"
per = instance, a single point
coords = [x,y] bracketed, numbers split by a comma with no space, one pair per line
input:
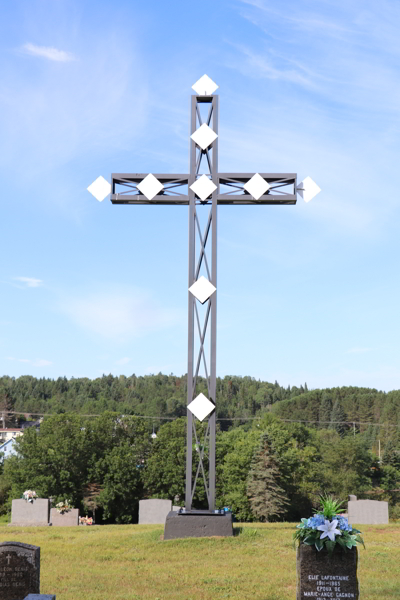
[267,498]
[337,417]
[325,410]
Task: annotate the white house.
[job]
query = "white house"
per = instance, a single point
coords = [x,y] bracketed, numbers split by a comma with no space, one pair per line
[8,448]
[9,434]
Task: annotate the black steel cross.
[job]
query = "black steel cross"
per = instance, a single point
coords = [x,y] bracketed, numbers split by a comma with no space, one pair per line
[210,190]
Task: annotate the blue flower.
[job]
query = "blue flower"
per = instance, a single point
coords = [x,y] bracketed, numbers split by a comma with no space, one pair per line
[344,524]
[316,521]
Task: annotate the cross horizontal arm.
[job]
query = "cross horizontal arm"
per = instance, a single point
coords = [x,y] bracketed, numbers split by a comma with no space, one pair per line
[232,191]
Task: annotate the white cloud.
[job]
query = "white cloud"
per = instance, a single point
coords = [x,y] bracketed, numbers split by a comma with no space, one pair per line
[358,350]
[119,315]
[29,281]
[38,362]
[123,361]
[47,52]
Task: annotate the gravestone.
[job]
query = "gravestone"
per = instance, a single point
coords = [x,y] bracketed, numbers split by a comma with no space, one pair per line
[40,597]
[67,519]
[321,575]
[154,511]
[368,512]
[352,498]
[19,570]
[30,514]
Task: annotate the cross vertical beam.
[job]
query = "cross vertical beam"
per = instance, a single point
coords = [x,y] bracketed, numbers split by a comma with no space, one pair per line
[197,255]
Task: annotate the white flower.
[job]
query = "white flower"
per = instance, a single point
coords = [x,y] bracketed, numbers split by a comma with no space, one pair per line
[329,529]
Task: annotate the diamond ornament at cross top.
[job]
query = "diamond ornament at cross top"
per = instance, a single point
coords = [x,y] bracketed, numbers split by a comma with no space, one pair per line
[202,289]
[205,86]
[256,186]
[201,407]
[203,187]
[100,188]
[308,189]
[150,186]
[204,136]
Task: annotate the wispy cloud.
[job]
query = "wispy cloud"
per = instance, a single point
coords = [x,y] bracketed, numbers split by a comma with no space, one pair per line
[29,281]
[119,315]
[47,52]
[123,361]
[358,350]
[38,362]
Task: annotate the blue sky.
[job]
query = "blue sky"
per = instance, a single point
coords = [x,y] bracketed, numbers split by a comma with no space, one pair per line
[305,293]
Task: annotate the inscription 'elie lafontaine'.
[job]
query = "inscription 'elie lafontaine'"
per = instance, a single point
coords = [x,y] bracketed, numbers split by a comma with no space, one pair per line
[328,586]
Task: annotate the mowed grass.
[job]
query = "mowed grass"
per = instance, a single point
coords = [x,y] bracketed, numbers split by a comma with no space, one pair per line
[132,562]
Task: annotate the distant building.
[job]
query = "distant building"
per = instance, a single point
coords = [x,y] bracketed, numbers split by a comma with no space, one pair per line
[8,448]
[27,424]
[9,434]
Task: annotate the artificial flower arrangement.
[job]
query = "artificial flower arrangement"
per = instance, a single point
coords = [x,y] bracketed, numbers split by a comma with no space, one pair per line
[29,495]
[328,528]
[63,507]
[85,521]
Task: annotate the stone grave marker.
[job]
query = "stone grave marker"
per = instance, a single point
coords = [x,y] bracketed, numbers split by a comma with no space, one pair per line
[323,576]
[19,570]
[368,512]
[154,511]
[30,514]
[68,519]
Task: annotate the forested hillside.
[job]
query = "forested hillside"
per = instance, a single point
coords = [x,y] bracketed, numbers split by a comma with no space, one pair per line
[332,407]
[165,396]
[152,395]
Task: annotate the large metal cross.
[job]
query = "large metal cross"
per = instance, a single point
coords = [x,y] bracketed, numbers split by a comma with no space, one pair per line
[208,189]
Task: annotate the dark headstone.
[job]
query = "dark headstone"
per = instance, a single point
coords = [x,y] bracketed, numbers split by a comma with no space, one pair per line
[19,570]
[179,525]
[323,576]
[40,597]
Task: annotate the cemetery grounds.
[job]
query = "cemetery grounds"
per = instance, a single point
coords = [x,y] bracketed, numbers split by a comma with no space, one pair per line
[132,562]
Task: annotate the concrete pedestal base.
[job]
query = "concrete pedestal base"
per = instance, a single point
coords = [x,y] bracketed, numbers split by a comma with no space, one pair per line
[201,524]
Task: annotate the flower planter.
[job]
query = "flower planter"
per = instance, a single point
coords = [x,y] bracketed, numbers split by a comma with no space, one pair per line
[322,575]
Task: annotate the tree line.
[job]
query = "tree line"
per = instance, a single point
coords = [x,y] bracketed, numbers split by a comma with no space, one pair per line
[266,469]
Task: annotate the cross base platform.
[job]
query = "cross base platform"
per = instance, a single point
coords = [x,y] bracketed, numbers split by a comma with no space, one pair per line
[199,523]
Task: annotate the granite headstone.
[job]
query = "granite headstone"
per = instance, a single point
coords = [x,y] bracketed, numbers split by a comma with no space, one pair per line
[30,514]
[368,512]
[19,570]
[321,575]
[68,519]
[154,511]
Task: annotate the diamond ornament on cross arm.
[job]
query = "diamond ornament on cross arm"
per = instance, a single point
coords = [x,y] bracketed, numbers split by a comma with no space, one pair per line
[202,289]
[256,186]
[201,407]
[203,187]
[308,189]
[205,86]
[204,136]
[150,186]
[100,188]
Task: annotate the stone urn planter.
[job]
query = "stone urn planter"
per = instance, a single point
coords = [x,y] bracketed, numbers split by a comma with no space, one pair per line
[322,575]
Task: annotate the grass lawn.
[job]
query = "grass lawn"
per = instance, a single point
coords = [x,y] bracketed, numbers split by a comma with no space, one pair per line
[131,562]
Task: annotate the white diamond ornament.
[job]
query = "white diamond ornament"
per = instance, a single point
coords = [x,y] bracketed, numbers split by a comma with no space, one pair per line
[256,186]
[100,188]
[203,187]
[309,189]
[204,136]
[150,186]
[202,289]
[205,86]
[201,407]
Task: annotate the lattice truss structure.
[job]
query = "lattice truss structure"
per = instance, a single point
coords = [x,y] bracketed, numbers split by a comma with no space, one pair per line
[203,189]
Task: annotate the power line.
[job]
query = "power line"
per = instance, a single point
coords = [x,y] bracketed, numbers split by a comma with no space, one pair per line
[352,423]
